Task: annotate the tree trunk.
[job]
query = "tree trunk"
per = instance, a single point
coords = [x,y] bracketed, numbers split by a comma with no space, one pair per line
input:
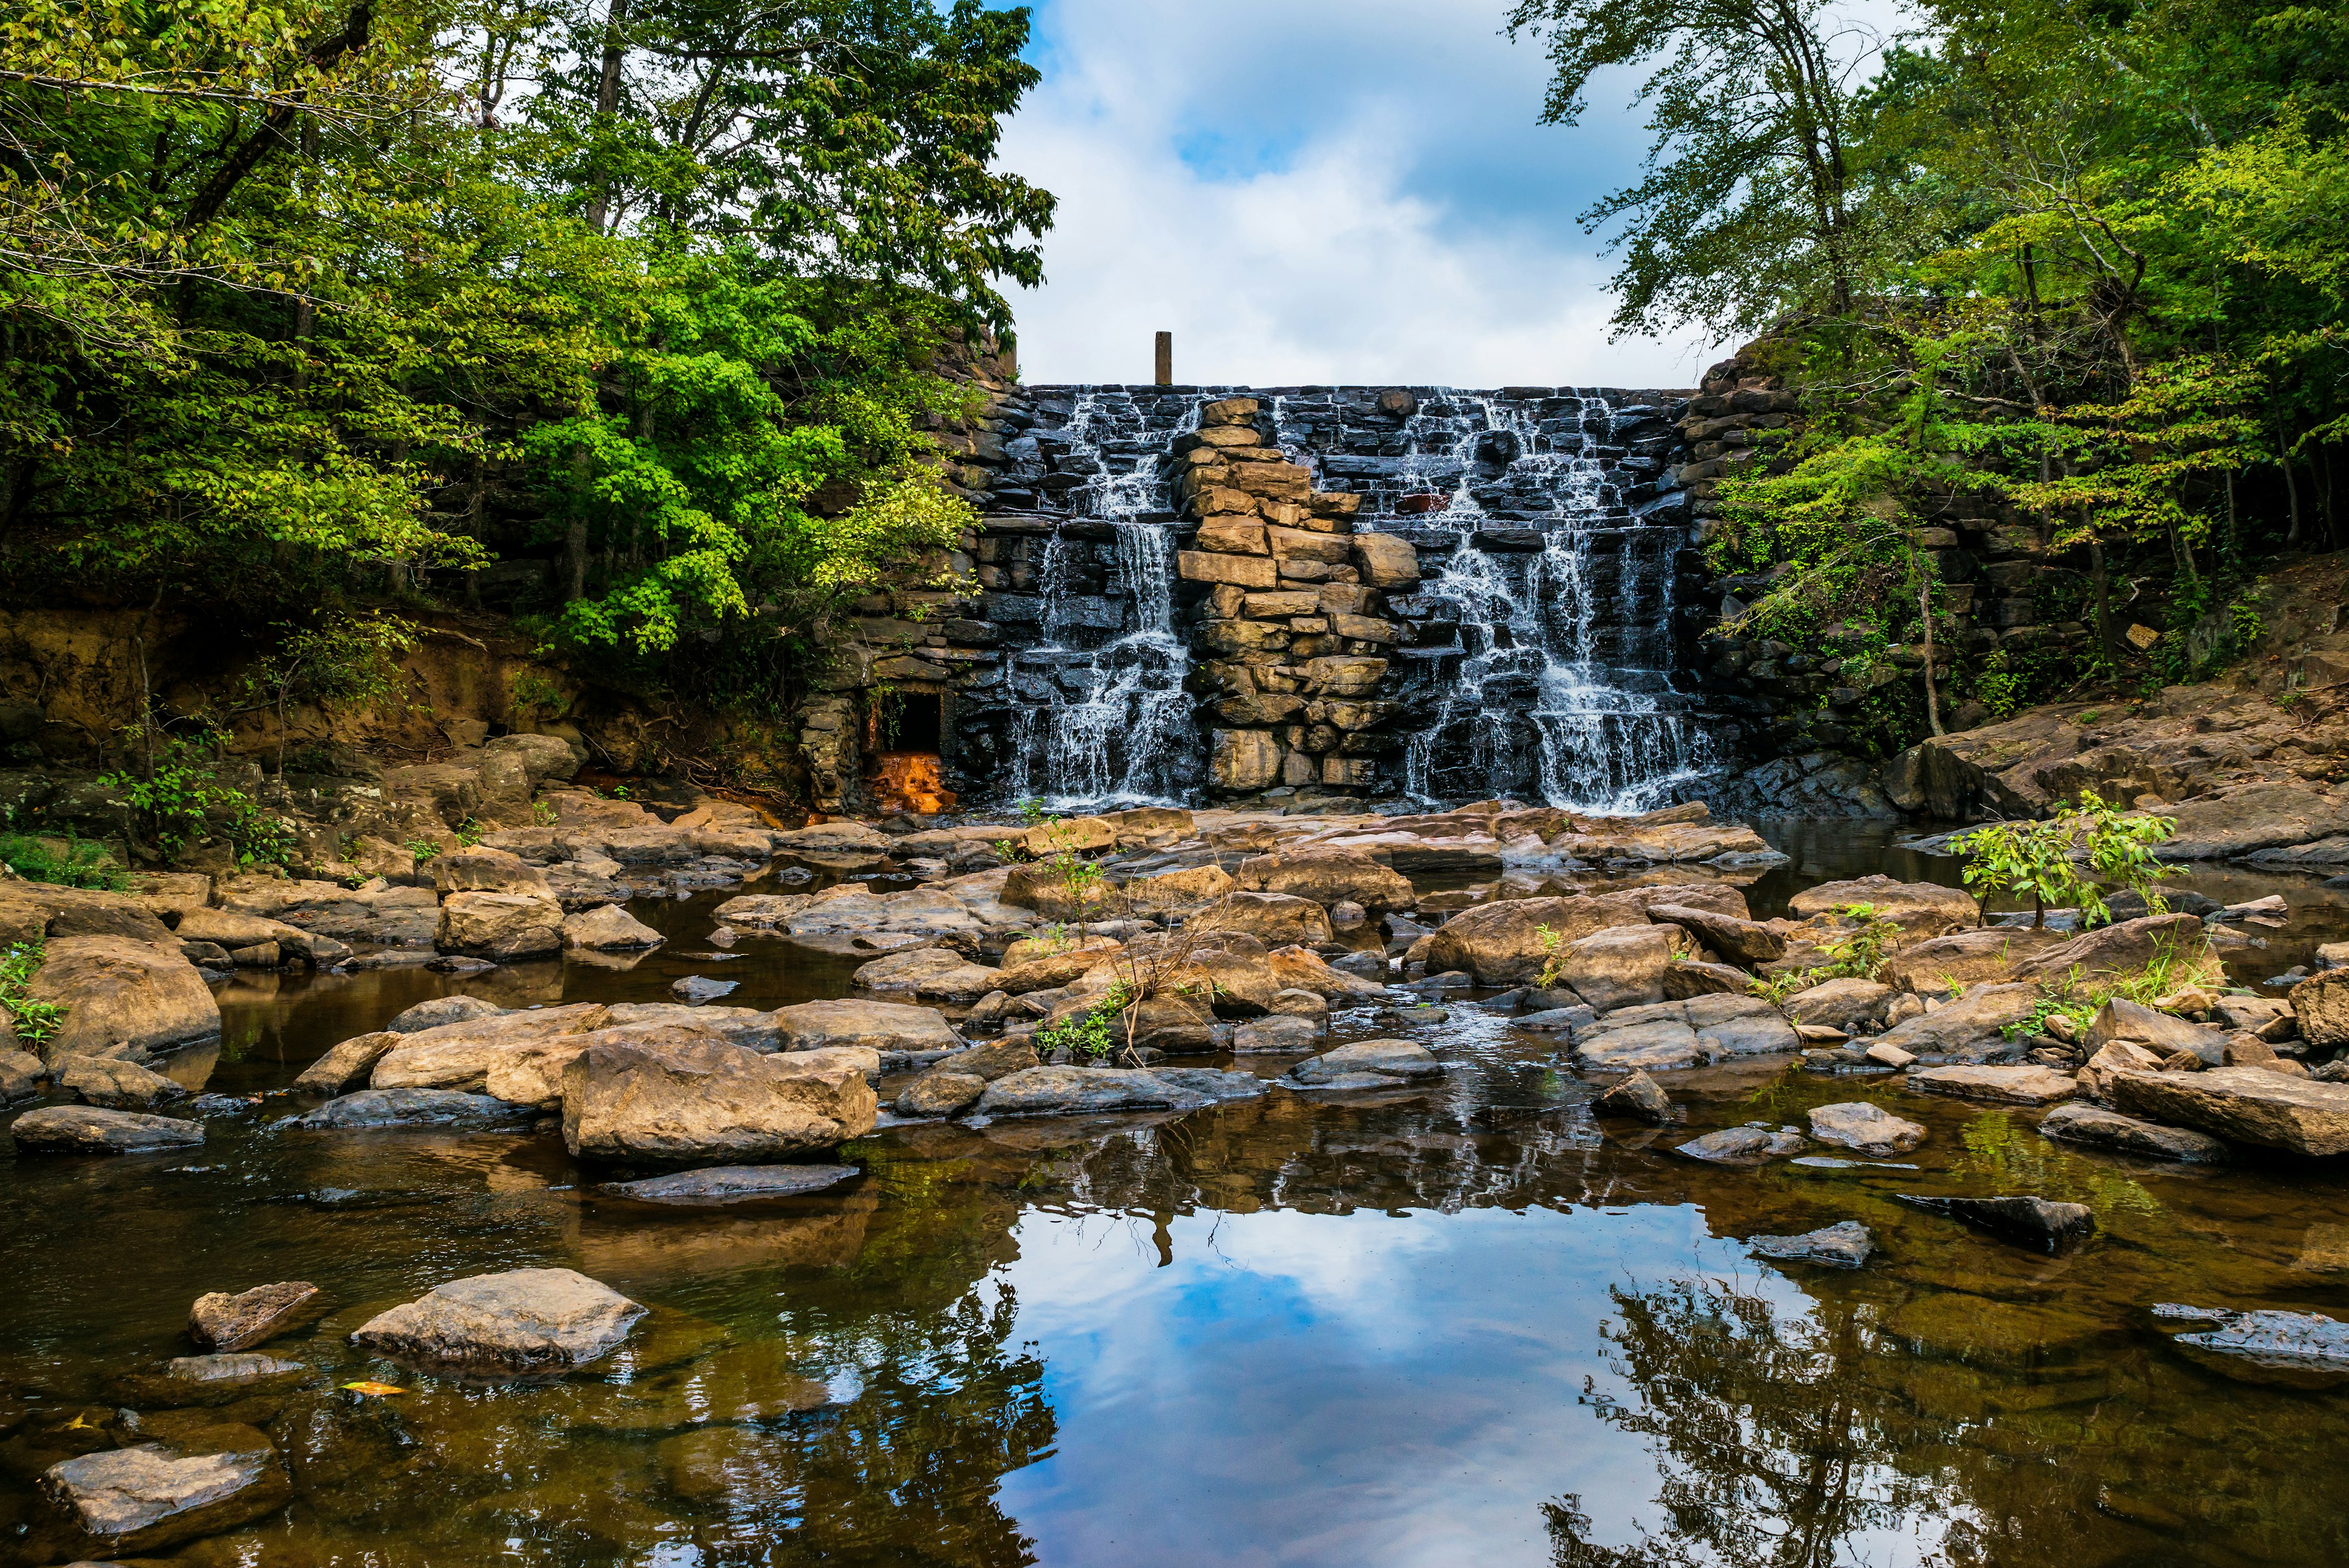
[2101,576]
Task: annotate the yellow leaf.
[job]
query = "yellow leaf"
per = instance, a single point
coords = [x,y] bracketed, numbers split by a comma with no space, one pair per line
[375,1388]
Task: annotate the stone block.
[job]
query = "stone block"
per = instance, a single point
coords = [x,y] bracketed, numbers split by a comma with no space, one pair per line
[1344,676]
[1228,435]
[1240,760]
[1208,566]
[1349,773]
[1233,535]
[1235,636]
[1229,411]
[1294,544]
[1226,600]
[1362,628]
[1298,771]
[1346,599]
[1281,604]
[1335,503]
[1386,561]
[1210,498]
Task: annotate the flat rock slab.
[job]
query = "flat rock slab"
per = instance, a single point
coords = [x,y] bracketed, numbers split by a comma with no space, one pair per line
[518,1324]
[247,1368]
[2241,1104]
[1741,1146]
[1071,1090]
[154,1495]
[723,1183]
[443,1010]
[90,1129]
[374,1109]
[702,988]
[1845,1246]
[1275,1035]
[116,1085]
[222,1322]
[2017,1085]
[1393,1060]
[883,1026]
[2270,1338]
[2100,1128]
[2038,1222]
[1871,1129]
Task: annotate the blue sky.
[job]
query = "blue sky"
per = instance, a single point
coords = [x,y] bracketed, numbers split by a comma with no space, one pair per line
[1316,191]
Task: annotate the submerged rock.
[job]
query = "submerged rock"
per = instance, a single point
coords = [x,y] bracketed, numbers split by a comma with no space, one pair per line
[1870,1129]
[88,1129]
[377,1108]
[515,1323]
[2034,1221]
[222,1322]
[723,1183]
[1741,1146]
[1367,1064]
[2270,1338]
[1847,1245]
[2101,1129]
[150,1496]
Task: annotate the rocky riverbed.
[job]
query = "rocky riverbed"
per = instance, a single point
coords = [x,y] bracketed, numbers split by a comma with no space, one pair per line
[553,1256]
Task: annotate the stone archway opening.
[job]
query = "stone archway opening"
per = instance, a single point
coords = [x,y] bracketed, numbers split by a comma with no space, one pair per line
[904,738]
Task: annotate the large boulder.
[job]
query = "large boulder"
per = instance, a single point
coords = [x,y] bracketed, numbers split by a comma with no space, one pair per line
[1622,966]
[482,869]
[88,1129]
[121,992]
[442,1010]
[888,1027]
[2163,1035]
[1049,970]
[1276,920]
[521,1323]
[1742,941]
[346,1066]
[115,1084]
[2319,1007]
[499,926]
[1501,943]
[1965,958]
[461,1056]
[1919,908]
[1301,969]
[1329,876]
[2243,1105]
[2096,1077]
[1847,1004]
[1177,889]
[705,1100]
[2127,948]
[132,1501]
[939,973]
[1687,1033]
[607,929]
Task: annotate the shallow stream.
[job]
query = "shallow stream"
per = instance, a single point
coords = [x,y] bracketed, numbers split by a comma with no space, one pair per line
[1444,1326]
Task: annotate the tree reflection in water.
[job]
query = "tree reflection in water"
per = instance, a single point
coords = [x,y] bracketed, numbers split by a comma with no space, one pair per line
[1771,1444]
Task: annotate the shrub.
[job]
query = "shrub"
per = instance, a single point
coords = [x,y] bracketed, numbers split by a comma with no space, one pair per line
[2041,859]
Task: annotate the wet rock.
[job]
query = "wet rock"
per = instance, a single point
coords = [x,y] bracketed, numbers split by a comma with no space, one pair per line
[461,1056]
[1214,1085]
[501,927]
[1716,1025]
[1363,966]
[22,1073]
[939,973]
[1919,908]
[1885,1056]
[717,1185]
[1870,1129]
[1066,1091]
[1745,941]
[151,1496]
[2268,1337]
[684,1098]
[517,1323]
[1277,1034]
[887,1027]
[2164,1037]
[1277,919]
[1741,1146]
[1977,1018]
[231,1369]
[1636,1096]
[698,988]
[1422,1012]
[1655,1045]
[1367,1064]
[116,1085]
[1290,1002]
[2034,1221]
[1553,1020]
[1692,978]
[2319,1007]
[443,1010]
[1300,969]
[1845,1004]
[2126,947]
[1847,1245]
[2243,1105]
[2100,1128]
[2096,1078]
[118,992]
[607,929]
[222,1322]
[1621,967]
[1501,943]
[88,1129]
[941,1092]
[371,1109]
[346,1067]
[1965,958]
[2011,1086]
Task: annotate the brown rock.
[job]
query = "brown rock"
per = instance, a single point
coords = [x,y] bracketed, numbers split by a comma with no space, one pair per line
[1986,953]
[117,993]
[482,869]
[709,1102]
[2126,948]
[1329,877]
[229,1322]
[1273,919]
[1243,571]
[1386,561]
[1243,761]
[1234,536]
[2243,1104]
[1920,908]
[1746,941]
[499,926]
[1501,944]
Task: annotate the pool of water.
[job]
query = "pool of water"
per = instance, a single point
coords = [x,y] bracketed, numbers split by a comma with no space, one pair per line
[1459,1324]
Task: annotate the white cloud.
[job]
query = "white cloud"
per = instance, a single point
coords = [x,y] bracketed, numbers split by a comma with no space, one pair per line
[1318,192]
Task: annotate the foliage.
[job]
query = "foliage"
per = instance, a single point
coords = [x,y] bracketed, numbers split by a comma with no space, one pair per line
[177,796]
[32,1019]
[1856,953]
[338,657]
[1088,1035]
[2041,859]
[63,860]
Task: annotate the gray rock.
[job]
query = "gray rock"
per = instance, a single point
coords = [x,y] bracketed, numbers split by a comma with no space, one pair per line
[1847,1245]
[883,1026]
[516,1323]
[1554,1020]
[2164,1037]
[1366,965]
[2034,1221]
[1068,1091]
[230,1368]
[222,1322]
[2012,1085]
[346,1067]
[1388,1062]
[21,1075]
[1844,1004]
[608,929]
[1276,1033]
[2243,1105]
[1636,1096]
[2100,1128]
[1741,1146]
[88,1129]
[1870,1129]
[1654,1046]
[722,1184]
[1980,1016]
[1423,1012]
[116,1085]
[139,1500]
[1622,966]
[941,1092]
[697,988]
[373,1108]
[1215,1084]
[1746,942]
[2285,1339]
[443,1010]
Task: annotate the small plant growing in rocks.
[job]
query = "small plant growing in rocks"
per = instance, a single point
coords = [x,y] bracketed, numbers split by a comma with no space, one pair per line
[2042,859]
[31,1020]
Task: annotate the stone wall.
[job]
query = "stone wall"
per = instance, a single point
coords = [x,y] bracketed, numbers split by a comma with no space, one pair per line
[1291,636]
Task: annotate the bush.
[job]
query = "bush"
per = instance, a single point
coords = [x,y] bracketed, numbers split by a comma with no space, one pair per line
[2041,859]
[33,1021]
[67,861]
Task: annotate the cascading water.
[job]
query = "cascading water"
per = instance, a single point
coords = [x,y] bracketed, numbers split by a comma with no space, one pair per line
[1107,722]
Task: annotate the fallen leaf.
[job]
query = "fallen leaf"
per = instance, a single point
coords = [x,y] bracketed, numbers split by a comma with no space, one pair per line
[377,1389]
